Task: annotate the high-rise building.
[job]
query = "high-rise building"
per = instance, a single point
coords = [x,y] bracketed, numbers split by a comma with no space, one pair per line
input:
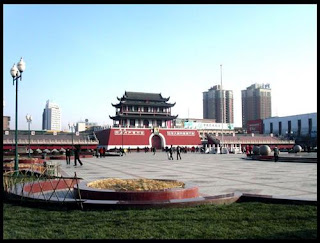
[256,103]
[216,101]
[51,117]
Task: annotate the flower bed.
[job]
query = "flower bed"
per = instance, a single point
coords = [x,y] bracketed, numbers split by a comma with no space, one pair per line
[135,184]
[31,166]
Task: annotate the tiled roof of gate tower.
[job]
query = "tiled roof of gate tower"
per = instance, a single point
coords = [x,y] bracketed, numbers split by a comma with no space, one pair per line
[143,96]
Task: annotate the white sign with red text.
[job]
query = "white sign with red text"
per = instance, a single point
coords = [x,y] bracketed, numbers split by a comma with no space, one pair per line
[180,133]
[125,132]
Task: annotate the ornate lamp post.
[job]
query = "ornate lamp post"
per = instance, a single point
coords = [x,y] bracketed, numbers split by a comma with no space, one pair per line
[289,134]
[16,73]
[71,126]
[222,111]
[29,120]
[122,131]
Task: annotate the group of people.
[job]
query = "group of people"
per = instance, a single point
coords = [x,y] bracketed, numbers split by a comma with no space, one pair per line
[153,149]
[186,149]
[247,149]
[100,152]
[146,149]
[76,156]
[170,152]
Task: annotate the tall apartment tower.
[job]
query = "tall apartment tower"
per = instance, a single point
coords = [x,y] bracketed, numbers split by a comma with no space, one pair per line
[51,117]
[216,101]
[256,103]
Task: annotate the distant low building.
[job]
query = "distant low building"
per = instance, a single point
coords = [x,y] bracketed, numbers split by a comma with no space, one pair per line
[296,125]
[80,126]
[85,125]
[255,126]
[6,122]
[181,122]
[48,139]
[204,126]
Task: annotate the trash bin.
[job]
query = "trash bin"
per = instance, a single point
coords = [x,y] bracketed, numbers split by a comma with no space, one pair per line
[50,170]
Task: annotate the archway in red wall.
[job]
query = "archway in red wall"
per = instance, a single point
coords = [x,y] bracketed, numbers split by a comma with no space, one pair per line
[156,142]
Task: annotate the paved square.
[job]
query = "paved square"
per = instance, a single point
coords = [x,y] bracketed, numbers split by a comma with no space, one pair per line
[214,174]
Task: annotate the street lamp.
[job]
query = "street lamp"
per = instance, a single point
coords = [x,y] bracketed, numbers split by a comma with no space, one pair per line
[16,73]
[122,130]
[222,110]
[29,120]
[71,126]
[289,134]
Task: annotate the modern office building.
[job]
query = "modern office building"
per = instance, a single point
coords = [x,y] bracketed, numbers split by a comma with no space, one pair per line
[256,103]
[218,105]
[51,117]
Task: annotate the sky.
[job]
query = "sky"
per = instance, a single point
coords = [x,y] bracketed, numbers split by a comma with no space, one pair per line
[83,57]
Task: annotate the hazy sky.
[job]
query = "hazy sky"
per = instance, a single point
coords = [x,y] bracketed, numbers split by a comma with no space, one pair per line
[83,57]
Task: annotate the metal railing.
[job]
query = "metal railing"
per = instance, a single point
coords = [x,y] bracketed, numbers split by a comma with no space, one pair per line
[48,141]
[34,186]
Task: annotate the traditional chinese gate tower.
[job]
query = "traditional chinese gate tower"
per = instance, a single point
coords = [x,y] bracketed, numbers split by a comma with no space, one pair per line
[145,120]
[137,109]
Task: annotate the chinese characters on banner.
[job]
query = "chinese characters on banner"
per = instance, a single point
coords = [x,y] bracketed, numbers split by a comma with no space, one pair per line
[125,132]
[180,133]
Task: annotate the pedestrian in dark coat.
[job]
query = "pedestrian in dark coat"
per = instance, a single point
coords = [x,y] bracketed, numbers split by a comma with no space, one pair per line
[68,156]
[77,156]
[170,153]
[97,153]
[103,152]
[178,152]
[276,154]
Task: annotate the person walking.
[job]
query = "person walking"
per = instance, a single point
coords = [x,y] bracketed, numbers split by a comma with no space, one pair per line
[154,150]
[170,153]
[68,156]
[103,152]
[77,156]
[97,152]
[276,154]
[178,152]
[122,152]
